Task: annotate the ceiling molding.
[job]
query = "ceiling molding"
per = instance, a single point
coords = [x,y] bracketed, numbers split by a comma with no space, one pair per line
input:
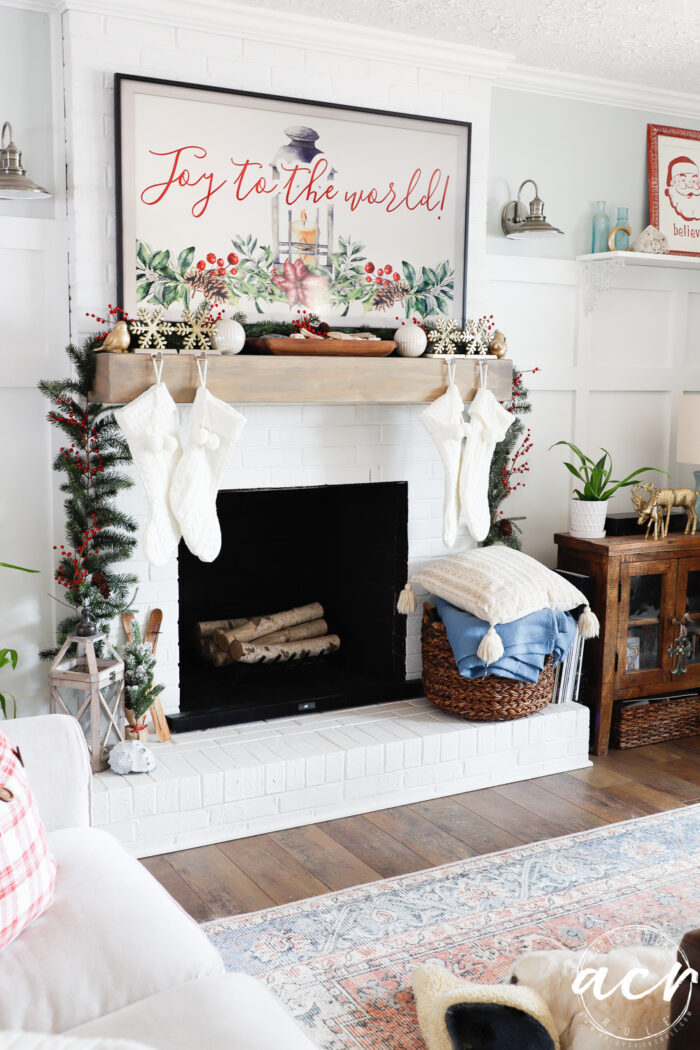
[309,33]
[595,89]
[318,34]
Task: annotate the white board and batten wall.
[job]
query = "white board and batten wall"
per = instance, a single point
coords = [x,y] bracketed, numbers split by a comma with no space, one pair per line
[610,378]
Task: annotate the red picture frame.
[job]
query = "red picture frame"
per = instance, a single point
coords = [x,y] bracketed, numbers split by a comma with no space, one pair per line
[673,157]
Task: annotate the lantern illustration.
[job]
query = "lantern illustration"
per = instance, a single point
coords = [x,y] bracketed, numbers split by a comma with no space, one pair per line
[303,229]
[91,689]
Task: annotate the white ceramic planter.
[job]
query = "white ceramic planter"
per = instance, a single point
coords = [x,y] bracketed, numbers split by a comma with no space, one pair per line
[410,339]
[228,336]
[587,518]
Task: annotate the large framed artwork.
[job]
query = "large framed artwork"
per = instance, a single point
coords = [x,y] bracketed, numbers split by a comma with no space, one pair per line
[272,206]
[674,186]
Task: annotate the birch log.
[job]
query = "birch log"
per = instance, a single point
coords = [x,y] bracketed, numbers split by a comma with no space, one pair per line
[262,625]
[313,629]
[260,653]
[206,628]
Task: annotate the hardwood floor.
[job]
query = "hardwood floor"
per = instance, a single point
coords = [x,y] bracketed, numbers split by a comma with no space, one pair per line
[249,874]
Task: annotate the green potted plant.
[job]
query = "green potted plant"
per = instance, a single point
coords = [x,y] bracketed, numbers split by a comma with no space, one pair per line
[589,504]
[9,656]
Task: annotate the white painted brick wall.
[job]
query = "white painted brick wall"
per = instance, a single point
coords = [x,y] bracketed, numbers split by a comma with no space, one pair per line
[282,445]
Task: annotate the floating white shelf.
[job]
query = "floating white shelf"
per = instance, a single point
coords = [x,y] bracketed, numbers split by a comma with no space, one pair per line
[672,262]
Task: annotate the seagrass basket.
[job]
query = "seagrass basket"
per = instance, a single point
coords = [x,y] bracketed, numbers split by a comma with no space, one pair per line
[489,699]
[667,719]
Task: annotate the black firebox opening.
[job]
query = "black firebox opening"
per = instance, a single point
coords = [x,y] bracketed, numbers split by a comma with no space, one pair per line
[345,546]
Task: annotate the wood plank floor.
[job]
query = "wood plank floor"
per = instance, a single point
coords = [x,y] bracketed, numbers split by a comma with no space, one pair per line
[249,874]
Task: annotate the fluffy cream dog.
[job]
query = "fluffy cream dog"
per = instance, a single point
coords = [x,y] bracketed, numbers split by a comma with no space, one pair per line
[552,975]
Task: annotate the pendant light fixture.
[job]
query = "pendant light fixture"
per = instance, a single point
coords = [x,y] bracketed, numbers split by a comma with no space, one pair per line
[517,227]
[14,182]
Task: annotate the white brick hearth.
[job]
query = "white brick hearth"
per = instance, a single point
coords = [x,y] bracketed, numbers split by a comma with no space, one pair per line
[243,780]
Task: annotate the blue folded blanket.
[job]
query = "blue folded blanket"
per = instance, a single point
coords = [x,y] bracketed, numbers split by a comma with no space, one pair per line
[526,642]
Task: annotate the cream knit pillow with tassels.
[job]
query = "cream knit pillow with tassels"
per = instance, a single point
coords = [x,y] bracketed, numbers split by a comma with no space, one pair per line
[498,584]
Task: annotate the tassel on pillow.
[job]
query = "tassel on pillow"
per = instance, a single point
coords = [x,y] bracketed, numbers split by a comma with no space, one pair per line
[490,647]
[588,625]
[407,603]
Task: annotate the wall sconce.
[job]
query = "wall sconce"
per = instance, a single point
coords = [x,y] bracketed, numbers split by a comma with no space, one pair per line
[14,182]
[535,224]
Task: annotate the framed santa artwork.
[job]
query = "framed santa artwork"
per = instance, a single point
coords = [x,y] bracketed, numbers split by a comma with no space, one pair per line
[674,186]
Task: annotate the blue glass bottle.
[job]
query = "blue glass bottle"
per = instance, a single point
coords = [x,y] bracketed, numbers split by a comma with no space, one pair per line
[601,228]
[622,238]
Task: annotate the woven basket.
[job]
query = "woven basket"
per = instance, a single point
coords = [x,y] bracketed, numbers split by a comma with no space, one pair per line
[489,699]
[653,723]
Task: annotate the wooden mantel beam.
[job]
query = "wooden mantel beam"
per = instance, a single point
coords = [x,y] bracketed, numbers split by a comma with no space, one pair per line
[252,379]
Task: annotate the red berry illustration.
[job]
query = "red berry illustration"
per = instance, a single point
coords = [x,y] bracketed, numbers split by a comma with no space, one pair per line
[379,280]
[201,265]
[397,276]
[221,271]
[233,270]
[219,262]
[388,268]
[211,258]
[369,267]
[232,258]
[368,278]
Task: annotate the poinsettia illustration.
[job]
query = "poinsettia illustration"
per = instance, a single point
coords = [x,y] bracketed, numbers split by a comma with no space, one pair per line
[301,287]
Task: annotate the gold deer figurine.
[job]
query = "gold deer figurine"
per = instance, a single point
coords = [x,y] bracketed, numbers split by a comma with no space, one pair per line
[650,504]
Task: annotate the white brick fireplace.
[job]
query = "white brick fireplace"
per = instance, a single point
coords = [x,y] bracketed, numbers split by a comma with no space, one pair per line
[260,776]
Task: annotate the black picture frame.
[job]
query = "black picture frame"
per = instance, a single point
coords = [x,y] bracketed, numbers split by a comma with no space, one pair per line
[181,290]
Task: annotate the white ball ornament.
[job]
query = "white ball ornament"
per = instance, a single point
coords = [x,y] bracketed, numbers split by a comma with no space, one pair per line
[410,340]
[228,336]
[213,442]
[169,443]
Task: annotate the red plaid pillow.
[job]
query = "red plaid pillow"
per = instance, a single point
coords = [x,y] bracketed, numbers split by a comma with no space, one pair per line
[27,869]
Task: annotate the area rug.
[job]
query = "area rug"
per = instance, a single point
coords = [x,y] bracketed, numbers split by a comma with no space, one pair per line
[342,963]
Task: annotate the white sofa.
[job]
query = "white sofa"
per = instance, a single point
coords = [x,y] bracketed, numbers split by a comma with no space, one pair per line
[115,957]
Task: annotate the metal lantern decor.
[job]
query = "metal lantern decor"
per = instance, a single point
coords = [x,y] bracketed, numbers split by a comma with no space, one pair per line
[14,181]
[91,689]
[303,229]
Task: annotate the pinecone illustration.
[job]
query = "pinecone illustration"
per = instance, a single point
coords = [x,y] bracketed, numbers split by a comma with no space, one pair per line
[100,582]
[389,293]
[209,284]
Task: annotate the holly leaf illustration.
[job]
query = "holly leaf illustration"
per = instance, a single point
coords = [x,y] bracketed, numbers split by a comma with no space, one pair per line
[185,259]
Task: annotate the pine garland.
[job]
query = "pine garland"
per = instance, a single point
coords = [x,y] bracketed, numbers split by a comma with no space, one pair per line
[139,666]
[508,469]
[98,533]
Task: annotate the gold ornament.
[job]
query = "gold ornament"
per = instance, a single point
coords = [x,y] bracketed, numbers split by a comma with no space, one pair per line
[650,504]
[151,329]
[118,340]
[196,328]
[611,238]
[498,346]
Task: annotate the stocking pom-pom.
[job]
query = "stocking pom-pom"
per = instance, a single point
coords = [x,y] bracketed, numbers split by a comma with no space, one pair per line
[490,647]
[213,442]
[201,435]
[407,603]
[169,443]
[588,626]
[154,442]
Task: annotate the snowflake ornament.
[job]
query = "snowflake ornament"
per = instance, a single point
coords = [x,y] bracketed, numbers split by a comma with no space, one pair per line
[444,336]
[196,328]
[151,330]
[477,336]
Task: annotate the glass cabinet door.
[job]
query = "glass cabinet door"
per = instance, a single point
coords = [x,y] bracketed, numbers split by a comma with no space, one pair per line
[646,606]
[689,604]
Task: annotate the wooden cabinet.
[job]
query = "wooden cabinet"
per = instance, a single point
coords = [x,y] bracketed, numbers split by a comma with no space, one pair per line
[647,598]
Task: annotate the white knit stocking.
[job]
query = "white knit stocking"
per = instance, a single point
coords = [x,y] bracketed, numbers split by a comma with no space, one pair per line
[149,423]
[489,422]
[443,419]
[215,427]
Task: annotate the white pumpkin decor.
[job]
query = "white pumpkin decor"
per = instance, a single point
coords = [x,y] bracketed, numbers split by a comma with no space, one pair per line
[411,340]
[228,336]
